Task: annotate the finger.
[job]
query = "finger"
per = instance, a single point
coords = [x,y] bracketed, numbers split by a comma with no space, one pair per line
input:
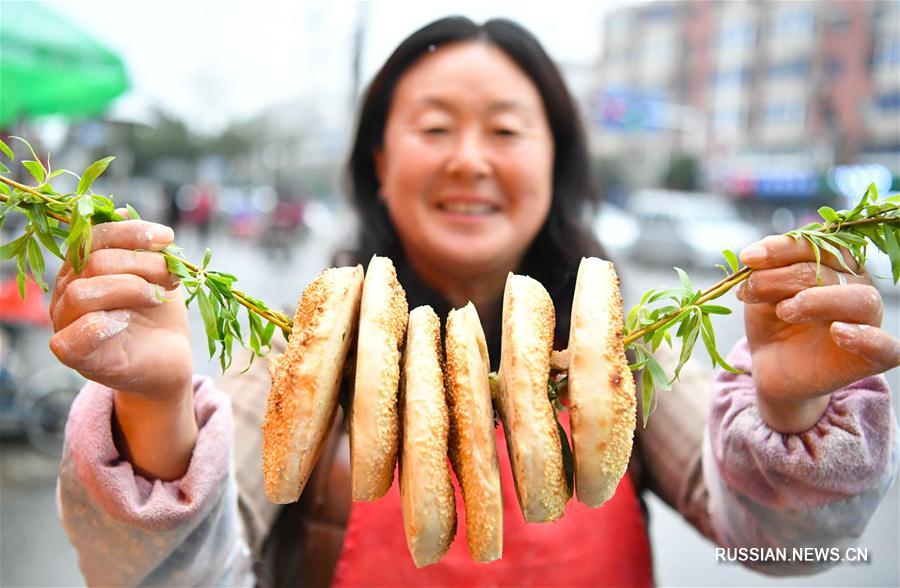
[774,285]
[126,234]
[108,292]
[853,303]
[781,250]
[875,345]
[75,345]
[131,234]
[150,266]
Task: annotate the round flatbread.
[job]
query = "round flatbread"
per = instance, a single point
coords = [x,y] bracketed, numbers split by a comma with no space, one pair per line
[426,492]
[529,422]
[306,381]
[473,445]
[602,397]
[374,420]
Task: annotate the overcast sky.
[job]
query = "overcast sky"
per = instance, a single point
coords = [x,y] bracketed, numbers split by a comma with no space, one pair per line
[211,62]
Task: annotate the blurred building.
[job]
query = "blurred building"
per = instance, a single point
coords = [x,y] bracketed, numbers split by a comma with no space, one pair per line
[769,94]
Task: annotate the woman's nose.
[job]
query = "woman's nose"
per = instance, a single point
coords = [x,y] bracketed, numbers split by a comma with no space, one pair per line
[469,157]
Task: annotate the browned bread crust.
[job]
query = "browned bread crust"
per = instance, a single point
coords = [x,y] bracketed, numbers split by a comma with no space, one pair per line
[473,447]
[306,381]
[602,396]
[528,418]
[426,492]
[374,420]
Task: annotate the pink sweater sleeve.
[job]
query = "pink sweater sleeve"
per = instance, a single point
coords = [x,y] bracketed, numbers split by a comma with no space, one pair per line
[816,488]
[130,530]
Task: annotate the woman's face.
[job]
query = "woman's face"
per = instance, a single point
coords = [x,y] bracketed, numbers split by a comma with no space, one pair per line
[466,167]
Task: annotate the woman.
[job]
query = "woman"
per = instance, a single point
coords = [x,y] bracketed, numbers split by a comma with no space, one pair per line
[468,163]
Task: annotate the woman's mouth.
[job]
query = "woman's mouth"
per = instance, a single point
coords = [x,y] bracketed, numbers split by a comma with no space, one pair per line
[468,208]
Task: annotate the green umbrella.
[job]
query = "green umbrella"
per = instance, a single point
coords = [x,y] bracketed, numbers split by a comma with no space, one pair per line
[48,65]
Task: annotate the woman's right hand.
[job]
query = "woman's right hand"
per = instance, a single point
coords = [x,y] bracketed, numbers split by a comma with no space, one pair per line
[121,321]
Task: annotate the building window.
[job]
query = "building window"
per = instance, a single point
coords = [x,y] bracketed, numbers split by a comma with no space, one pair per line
[731,77]
[834,67]
[889,52]
[738,34]
[785,114]
[793,22]
[889,102]
[728,119]
[790,69]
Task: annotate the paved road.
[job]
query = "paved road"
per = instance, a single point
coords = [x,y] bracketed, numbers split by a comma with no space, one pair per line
[34,550]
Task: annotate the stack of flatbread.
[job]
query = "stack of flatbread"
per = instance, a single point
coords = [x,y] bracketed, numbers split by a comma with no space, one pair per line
[442,401]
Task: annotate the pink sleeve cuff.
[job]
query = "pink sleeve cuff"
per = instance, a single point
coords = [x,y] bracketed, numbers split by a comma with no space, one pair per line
[132,499]
[845,453]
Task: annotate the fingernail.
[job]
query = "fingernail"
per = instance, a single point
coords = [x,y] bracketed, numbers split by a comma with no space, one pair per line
[160,234]
[753,254]
[745,292]
[847,331]
[158,293]
[787,311]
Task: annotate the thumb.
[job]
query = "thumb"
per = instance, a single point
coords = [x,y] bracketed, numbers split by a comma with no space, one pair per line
[877,346]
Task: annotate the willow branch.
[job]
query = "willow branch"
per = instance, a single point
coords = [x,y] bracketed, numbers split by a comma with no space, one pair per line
[279,319]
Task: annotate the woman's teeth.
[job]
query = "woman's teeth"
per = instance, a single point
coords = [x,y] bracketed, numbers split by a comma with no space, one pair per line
[468,208]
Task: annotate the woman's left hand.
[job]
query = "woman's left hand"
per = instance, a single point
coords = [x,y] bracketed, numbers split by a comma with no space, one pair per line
[808,340]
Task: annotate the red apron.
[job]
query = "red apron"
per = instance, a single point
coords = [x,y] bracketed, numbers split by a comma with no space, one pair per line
[606,546]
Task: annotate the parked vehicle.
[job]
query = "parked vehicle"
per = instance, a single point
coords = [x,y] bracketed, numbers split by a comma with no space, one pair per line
[687,228]
[36,391]
[617,230]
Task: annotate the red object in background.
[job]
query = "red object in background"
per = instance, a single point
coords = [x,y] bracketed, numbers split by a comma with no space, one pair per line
[13,309]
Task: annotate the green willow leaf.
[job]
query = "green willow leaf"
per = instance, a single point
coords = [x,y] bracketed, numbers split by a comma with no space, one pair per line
[659,376]
[7,151]
[21,272]
[36,169]
[828,213]
[209,321]
[685,280]
[91,174]
[13,248]
[709,334]
[687,348]
[731,259]
[818,255]
[892,246]
[714,309]
[648,397]
[267,334]
[36,263]
[568,458]
[176,266]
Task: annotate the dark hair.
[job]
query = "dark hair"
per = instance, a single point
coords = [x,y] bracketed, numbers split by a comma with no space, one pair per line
[565,237]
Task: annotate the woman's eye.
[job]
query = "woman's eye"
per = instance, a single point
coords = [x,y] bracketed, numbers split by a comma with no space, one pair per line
[505,132]
[436,130]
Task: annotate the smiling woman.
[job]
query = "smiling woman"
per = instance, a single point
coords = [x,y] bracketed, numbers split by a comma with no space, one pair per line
[469,163]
